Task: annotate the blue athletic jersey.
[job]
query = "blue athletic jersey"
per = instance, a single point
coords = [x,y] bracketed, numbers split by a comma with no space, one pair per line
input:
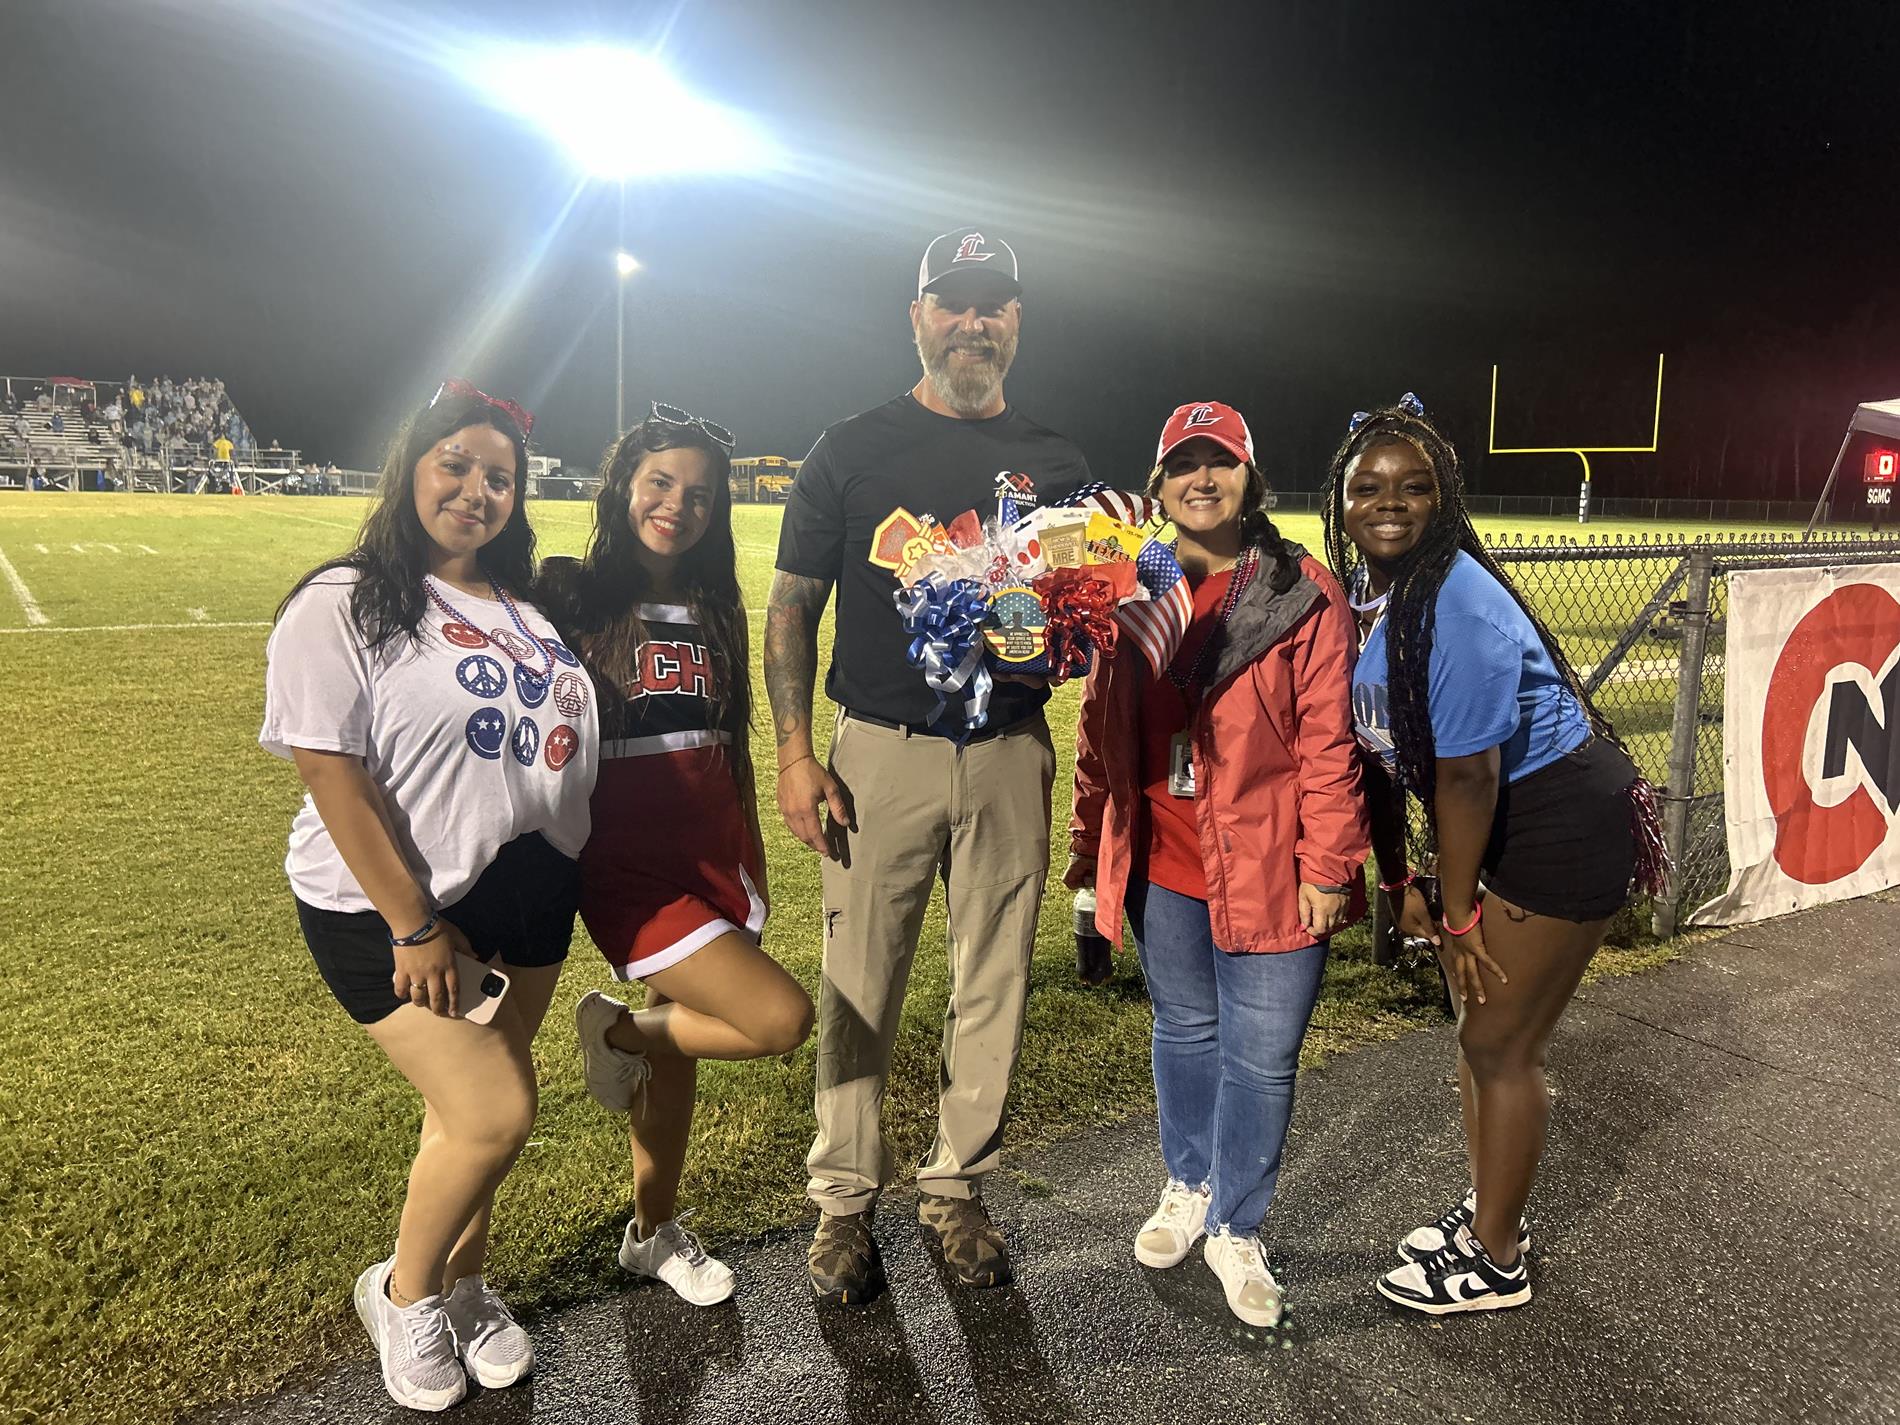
[1492,682]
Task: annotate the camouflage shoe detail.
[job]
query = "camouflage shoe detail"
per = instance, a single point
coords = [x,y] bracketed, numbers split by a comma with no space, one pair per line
[843,1261]
[972,1247]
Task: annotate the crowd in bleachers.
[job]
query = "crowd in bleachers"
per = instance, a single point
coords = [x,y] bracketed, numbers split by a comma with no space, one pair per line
[197,411]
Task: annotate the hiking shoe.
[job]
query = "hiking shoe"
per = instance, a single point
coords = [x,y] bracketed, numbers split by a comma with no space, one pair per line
[1177,1224]
[972,1247]
[843,1260]
[489,1340]
[673,1255]
[1252,1293]
[415,1342]
[614,1077]
[1422,1242]
[1459,1277]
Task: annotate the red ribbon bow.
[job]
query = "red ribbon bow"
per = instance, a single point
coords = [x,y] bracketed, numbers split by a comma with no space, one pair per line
[1080,611]
[468,390]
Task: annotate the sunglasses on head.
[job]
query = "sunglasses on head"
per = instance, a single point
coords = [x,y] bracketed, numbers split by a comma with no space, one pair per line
[459,389]
[712,430]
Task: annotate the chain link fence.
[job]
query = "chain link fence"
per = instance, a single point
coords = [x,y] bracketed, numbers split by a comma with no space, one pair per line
[1645,624]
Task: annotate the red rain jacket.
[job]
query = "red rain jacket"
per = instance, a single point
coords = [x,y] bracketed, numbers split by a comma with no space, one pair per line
[1278,795]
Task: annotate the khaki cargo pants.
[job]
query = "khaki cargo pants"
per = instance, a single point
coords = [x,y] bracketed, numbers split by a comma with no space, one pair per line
[978,816]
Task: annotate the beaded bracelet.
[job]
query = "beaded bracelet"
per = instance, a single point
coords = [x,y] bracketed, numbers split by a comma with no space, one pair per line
[1410,876]
[428,926]
[1477,914]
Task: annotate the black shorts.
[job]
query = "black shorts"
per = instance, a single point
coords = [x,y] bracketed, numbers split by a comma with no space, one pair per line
[521,910]
[1562,843]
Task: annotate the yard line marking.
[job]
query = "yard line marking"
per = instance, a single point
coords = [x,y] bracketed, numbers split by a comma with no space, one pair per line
[312,519]
[146,547]
[136,627]
[28,605]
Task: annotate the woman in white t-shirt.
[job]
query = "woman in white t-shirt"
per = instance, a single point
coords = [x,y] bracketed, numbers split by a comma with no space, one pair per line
[448,741]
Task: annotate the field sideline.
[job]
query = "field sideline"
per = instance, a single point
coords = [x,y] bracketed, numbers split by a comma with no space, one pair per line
[205,1151]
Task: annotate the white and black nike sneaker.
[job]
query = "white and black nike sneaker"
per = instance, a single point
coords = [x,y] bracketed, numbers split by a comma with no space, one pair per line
[1421,1242]
[1459,1277]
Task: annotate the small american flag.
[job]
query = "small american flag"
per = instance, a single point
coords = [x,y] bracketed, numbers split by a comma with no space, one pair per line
[1136,510]
[1159,624]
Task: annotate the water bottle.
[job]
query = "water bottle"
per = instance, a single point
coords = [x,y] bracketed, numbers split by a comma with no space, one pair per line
[1094,959]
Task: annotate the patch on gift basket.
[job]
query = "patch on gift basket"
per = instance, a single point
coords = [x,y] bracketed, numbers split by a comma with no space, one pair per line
[1014,630]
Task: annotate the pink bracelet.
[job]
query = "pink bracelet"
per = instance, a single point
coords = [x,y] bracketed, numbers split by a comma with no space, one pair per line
[1477,914]
[1410,876]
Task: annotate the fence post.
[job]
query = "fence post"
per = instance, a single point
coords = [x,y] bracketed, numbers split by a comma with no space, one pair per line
[1683,729]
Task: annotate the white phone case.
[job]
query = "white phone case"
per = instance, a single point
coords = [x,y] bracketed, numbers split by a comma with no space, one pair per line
[479,989]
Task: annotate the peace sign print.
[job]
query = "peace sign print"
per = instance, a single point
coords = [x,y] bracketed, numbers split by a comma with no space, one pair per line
[570,694]
[482,675]
[526,742]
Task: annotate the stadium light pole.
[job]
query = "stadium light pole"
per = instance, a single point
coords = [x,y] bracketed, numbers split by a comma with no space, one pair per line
[625,265]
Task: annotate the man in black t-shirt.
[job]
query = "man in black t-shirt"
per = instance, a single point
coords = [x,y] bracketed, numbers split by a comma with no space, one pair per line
[910,800]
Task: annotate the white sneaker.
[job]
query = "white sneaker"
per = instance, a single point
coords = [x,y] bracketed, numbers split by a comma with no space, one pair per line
[1166,1238]
[489,1340]
[673,1255]
[614,1077]
[1252,1293]
[416,1343]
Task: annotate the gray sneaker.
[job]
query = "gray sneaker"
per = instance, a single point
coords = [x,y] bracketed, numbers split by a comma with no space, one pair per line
[489,1340]
[614,1077]
[416,1344]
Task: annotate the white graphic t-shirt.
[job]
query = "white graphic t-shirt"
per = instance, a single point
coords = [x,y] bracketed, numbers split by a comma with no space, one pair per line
[470,747]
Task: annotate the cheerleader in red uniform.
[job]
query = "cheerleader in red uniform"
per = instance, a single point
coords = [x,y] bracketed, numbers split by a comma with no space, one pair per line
[673,877]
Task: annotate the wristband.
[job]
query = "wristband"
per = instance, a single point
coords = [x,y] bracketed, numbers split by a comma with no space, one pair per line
[1410,876]
[1477,914]
[428,926]
[807,757]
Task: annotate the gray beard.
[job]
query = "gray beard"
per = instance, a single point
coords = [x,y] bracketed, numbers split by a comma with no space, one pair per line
[967,390]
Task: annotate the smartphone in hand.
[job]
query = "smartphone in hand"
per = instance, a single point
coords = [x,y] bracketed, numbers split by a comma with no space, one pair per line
[479,989]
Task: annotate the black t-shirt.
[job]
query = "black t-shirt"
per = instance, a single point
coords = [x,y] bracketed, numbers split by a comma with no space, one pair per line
[900,454]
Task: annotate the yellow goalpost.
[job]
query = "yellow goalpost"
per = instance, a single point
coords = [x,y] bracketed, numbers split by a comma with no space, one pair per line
[1582,452]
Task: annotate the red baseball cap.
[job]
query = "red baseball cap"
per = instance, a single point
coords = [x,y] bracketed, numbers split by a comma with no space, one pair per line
[1221,424]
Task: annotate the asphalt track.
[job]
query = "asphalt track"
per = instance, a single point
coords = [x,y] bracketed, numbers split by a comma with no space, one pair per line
[1717,1239]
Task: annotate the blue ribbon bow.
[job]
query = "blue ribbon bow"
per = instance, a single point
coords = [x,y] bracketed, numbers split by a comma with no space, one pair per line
[945,622]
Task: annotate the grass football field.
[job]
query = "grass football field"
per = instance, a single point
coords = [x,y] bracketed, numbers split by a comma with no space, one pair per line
[202,1150]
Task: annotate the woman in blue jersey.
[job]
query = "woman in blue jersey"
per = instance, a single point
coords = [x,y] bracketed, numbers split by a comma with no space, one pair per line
[673,877]
[1462,699]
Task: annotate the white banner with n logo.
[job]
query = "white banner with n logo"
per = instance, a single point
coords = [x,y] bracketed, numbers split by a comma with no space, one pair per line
[1811,739]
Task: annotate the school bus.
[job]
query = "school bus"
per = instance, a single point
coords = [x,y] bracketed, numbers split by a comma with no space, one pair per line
[764,479]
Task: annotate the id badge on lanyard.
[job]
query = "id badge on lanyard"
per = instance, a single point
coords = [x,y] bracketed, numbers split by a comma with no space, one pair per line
[1181,765]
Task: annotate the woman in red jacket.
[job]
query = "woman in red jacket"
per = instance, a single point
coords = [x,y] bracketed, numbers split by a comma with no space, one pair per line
[1221,805]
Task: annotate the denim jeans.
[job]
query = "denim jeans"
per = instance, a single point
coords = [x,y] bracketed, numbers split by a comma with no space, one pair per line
[1226,1049]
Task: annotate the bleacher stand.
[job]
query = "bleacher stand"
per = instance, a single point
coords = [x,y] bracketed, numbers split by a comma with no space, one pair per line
[166,436]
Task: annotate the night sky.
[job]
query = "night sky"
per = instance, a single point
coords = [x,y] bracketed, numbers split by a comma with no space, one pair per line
[1299,208]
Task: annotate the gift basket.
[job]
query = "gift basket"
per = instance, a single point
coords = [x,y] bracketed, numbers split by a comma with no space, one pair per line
[1038,594]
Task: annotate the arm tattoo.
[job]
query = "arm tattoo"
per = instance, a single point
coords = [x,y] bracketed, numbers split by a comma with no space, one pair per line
[792,612]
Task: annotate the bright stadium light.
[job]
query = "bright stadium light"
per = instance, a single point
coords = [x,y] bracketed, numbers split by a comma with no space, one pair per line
[617,112]
[625,263]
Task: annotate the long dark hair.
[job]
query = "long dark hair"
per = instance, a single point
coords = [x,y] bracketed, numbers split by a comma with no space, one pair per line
[1412,600]
[602,605]
[391,554]
[1256,527]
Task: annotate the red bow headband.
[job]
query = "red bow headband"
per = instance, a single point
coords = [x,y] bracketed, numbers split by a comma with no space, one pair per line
[467,390]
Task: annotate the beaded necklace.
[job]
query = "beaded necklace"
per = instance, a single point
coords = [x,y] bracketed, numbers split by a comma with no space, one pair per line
[1244,569]
[514,617]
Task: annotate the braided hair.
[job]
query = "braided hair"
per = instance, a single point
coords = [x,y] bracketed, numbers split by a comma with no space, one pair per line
[1412,600]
